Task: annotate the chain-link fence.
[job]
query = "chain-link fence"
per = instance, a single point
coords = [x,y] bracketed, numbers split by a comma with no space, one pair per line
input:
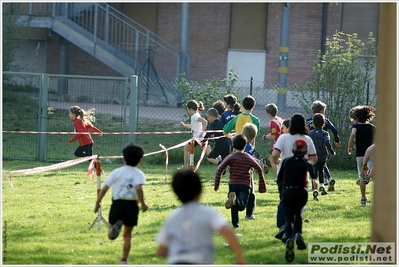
[28,101]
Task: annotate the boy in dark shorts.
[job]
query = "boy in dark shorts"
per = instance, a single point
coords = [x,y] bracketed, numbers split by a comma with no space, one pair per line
[127,191]
[240,181]
[292,180]
[320,107]
[321,140]
[221,148]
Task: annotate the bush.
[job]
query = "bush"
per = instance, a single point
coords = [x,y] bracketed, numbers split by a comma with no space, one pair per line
[342,78]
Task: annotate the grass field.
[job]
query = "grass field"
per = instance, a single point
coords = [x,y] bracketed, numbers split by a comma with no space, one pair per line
[46,218]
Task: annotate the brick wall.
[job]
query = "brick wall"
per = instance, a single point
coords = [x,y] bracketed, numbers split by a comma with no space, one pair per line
[208,36]
[209,40]
[80,62]
[304,39]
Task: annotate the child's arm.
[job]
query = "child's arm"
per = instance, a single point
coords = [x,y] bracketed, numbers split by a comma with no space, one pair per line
[229,235]
[95,129]
[351,138]
[327,143]
[204,125]
[78,125]
[188,125]
[140,195]
[222,166]
[262,184]
[100,197]
[334,130]
[162,251]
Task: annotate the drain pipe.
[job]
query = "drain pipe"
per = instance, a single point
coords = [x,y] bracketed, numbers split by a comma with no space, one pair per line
[324,29]
[184,38]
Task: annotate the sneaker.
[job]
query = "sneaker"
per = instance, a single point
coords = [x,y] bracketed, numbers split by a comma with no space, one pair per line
[289,250]
[230,201]
[280,233]
[252,217]
[123,262]
[114,233]
[181,167]
[325,178]
[300,243]
[323,190]
[331,185]
[315,194]
[366,179]
[363,202]
[263,164]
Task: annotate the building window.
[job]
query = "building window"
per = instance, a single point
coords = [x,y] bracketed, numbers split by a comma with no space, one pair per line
[248,26]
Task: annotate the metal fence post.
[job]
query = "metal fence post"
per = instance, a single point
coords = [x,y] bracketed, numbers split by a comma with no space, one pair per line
[133,108]
[250,85]
[43,98]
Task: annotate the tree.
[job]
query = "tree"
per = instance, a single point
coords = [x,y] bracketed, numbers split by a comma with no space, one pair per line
[207,92]
[342,78]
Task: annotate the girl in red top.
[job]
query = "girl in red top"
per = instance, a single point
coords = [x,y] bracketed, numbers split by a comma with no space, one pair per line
[82,121]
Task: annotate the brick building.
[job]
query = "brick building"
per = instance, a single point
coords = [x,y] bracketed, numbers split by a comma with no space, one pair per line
[244,36]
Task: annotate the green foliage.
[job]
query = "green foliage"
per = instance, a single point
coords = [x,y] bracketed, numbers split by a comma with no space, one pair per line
[342,79]
[207,92]
[48,215]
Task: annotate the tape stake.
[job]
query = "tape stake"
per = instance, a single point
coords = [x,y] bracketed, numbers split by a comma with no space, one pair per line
[166,162]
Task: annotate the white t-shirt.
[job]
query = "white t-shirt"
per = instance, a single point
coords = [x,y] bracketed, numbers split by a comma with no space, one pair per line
[285,142]
[124,181]
[196,126]
[188,234]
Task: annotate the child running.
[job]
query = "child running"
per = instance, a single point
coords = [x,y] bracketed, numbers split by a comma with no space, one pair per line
[363,134]
[250,132]
[127,190]
[197,125]
[320,107]
[240,182]
[275,127]
[187,234]
[82,122]
[221,149]
[232,110]
[321,141]
[293,184]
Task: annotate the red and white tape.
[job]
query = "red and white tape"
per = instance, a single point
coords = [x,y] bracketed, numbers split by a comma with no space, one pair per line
[108,133]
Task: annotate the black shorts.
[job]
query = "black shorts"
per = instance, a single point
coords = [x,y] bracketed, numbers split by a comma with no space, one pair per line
[220,149]
[125,210]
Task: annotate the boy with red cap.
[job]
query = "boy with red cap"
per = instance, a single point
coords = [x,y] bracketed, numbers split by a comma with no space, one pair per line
[293,181]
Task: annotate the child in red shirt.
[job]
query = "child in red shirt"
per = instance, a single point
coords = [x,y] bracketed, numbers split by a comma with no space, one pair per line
[82,121]
[275,126]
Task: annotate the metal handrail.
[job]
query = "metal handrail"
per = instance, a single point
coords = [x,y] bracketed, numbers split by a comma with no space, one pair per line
[110,28]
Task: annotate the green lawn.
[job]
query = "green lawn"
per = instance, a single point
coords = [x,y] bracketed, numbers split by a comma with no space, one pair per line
[46,218]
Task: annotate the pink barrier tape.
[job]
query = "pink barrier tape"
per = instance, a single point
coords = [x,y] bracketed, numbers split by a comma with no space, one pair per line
[108,133]
[57,166]
[92,159]
[202,156]
[90,169]
[170,148]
